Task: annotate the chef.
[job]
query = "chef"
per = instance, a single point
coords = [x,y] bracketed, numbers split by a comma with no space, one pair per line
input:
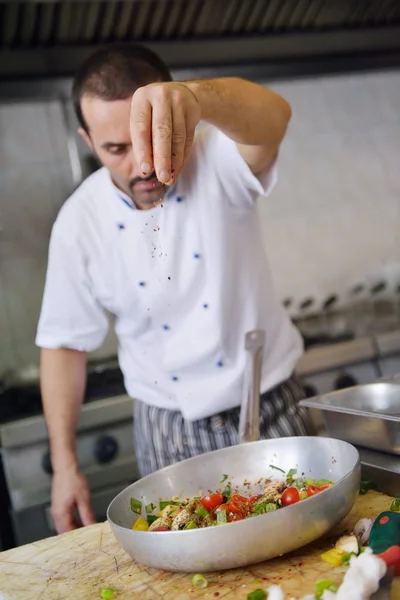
[165,238]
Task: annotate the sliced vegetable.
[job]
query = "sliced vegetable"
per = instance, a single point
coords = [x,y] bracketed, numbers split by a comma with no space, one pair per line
[290,496]
[165,503]
[107,593]
[212,501]
[395,506]
[221,517]
[151,519]
[276,468]
[321,482]
[312,490]
[363,529]
[239,505]
[264,507]
[323,585]
[136,506]
[347,544]
[303,495]
[199,581]
[324,486]
[366,486]
[257,595]
[309,481]
[227,493]
[333,557]
[140,524]
[346,558]
[190,525]
[224,478]
[149,508]
[201,512]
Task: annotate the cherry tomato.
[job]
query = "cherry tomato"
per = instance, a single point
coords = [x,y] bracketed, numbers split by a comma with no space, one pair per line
[290,496]
[312,490]
[324,486]
[233,518]
[239,505]
[212,501]
[253,500]
[161,528]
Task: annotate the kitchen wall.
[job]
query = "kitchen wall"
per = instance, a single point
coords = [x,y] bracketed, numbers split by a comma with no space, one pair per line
[332,221]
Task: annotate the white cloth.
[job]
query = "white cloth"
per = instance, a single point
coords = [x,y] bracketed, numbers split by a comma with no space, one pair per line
[185,281]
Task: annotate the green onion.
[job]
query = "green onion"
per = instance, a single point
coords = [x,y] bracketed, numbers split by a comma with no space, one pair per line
[165,503]
[107,593]
[321,482]
[136,506]
[151,519]
[190,525]
[299,483]
[224,478]
[325,584]
[309,482]
[201,512]
[346,557]
[221,517]
[227,493]
[149,508]
[264,507]
[277,469]
[395,506]
[366,486]
[257,595]
[303,495]
[199,581]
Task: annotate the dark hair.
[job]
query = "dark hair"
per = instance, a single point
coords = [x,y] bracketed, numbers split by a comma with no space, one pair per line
[115,72]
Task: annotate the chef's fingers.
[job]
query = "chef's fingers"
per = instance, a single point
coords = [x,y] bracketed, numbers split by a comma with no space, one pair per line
[178,139]
[140,126]
[191,123]
[64,521]
[162,134]
[85,511]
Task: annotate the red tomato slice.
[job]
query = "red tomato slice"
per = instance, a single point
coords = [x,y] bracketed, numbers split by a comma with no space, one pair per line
[312,490]
[290,496]
[253,499]
[239,505]
[212,501]
[324,486]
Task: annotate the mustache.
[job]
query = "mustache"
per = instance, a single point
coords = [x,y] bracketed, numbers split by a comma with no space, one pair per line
[136,180]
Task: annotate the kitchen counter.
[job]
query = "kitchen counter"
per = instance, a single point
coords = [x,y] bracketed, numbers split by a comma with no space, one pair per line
[75,566]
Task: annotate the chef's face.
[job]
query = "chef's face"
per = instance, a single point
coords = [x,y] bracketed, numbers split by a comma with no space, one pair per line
[109,137]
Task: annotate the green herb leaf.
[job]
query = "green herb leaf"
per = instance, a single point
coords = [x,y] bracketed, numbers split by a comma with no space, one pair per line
[199,581]
[136,506]
[224,478]
[257,595]
[277,469]
[227,493]
[149,508]
[291,473]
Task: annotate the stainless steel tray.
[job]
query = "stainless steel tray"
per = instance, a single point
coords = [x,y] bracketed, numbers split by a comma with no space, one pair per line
[364,415]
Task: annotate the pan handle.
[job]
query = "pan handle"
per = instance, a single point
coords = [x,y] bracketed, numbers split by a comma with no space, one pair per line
[249,424]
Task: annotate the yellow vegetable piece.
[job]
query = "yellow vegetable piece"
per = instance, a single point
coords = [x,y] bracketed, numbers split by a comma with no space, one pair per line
[140,524]
[333,557]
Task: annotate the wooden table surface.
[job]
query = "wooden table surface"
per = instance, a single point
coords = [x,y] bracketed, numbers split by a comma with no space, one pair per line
[77,565]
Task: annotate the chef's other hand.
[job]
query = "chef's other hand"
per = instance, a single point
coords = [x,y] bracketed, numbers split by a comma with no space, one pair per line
[164,117]
[70,492]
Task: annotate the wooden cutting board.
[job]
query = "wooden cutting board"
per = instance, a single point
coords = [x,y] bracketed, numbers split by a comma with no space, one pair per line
[77,565]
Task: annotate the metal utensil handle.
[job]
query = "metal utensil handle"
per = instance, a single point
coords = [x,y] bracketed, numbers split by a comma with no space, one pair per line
[249,424]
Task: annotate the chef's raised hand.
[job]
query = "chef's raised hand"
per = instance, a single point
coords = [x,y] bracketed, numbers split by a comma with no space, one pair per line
[163,121]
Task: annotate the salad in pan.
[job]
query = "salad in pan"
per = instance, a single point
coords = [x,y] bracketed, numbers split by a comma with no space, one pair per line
[225,505]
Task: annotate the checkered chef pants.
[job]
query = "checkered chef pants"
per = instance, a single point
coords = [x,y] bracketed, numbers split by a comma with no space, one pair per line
[163,437]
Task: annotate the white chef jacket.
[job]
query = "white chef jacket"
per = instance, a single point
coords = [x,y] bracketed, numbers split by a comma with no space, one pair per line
[184,280]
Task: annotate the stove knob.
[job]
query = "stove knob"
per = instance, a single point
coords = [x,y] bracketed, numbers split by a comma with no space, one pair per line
[345,381]
[309,390]
[105,449]
[46,464]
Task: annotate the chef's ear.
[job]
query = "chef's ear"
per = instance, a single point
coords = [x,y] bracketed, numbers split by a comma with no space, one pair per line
[86,137]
